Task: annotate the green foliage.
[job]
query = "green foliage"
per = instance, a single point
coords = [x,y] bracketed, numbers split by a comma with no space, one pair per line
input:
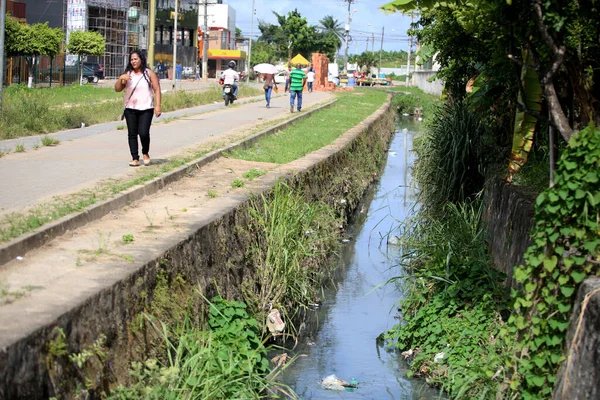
[564,251]
[86,42]
[237,183]
[228,361]
[294,35]
[31,40]
[451,160]
[254,173]
[294,240]
[127,238]
[453,302]
[316,130]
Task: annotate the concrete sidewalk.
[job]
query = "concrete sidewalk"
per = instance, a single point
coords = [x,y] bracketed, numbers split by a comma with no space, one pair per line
[81,161]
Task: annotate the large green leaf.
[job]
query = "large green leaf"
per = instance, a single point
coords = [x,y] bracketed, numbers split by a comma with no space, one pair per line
[524,128]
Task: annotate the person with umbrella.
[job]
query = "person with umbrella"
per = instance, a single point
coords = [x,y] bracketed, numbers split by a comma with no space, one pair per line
[268,87]
[268,71]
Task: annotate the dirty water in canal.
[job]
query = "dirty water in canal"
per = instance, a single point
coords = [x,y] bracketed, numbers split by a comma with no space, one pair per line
[340,336]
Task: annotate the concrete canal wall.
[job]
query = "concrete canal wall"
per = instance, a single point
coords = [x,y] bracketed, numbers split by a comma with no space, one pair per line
[211,255]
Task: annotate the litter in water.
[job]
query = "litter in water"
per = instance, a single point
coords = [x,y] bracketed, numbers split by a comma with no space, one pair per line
[332,382]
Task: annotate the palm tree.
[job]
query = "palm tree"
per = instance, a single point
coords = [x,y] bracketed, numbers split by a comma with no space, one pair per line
[332,27]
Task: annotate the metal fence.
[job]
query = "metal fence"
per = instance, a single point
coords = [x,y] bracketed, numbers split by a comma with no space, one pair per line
[46,71]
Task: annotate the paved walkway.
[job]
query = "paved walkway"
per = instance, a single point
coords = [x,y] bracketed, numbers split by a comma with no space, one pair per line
[88,155]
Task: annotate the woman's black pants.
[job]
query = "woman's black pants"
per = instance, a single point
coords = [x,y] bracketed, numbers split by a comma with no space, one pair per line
[138,123]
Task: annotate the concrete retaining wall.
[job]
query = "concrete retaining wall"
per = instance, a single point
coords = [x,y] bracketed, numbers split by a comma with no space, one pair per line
[420,79]
[212,255]
[509,218]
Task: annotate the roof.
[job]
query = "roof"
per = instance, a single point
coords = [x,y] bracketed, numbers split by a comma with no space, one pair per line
[298,59]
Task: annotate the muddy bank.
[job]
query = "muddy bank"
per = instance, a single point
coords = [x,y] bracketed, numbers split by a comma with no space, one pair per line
[206,251]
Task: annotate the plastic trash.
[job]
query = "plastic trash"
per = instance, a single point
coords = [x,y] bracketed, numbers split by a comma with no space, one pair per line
[439,357]
[274,322]
[332,382]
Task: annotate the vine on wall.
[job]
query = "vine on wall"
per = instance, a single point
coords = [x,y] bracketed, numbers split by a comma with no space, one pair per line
[566,244]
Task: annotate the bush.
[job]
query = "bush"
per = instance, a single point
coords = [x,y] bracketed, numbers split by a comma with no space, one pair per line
[451,162]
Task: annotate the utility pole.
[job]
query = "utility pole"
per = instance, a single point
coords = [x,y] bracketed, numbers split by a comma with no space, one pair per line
[347,36]
[175,46]
[2,23]
[250,43]
[205,36]
[381,49]
[373,42]
[409,51]
[151,29]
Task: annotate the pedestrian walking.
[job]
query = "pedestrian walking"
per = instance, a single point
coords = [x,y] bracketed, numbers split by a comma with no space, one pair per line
[197,72]
[286,75]
[297,83]
[142,100]
[310,79]
[178,71]
[269,86]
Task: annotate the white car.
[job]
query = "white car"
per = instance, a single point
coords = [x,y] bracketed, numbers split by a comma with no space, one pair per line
[280,78]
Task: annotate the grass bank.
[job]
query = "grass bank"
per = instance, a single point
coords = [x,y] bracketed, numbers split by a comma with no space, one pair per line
[55,109]
[315,131]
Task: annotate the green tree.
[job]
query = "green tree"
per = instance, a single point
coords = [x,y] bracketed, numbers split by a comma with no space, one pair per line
[31,41]
[83,43]
[262,52]
[332,31]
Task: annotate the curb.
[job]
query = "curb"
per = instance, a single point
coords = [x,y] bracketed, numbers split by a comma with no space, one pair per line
[33,240]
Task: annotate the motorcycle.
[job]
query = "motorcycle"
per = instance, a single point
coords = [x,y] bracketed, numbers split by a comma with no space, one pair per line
[228,94]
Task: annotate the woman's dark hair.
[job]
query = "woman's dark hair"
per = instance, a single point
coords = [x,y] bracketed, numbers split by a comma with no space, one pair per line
[143,65]
[142,57]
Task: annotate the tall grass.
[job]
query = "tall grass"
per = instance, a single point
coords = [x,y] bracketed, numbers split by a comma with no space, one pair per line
[27,112]
[451,158]
[226,361]
[453,302]
[295,239]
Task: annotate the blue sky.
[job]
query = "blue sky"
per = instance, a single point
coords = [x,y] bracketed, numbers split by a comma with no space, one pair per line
[367,19]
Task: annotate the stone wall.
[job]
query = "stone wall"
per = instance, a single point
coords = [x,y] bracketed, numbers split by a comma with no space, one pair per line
[211,256]
[509,218]
[579,375]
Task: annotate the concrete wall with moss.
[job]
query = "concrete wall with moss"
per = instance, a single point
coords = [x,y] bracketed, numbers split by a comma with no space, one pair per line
[213,256]
[508,217]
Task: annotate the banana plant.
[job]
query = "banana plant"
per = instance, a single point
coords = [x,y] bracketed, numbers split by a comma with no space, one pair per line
[530,95]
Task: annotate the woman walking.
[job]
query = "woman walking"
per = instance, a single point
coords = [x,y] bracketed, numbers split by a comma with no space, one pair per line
[268,87]
[141,99]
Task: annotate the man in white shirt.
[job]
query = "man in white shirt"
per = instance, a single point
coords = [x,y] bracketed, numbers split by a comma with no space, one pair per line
[230,77]
[310,78]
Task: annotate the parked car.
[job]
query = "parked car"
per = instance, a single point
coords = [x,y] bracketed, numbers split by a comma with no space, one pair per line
[280,78]
[91,68]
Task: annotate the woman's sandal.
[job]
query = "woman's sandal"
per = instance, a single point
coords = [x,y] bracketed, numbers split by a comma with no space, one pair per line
[134,163]
[146,160]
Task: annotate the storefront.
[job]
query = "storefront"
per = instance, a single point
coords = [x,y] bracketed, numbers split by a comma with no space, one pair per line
[218,60]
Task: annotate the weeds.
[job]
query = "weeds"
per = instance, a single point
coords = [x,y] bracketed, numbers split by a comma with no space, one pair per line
[212,194]
[291,263]
[49,141]
[237,183]
[254,173]
[127,238]
[453,301]
[150,219]
[227,361]
[121,127]
[19,148]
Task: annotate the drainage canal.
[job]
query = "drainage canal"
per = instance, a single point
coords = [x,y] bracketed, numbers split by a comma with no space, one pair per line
[340,337]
